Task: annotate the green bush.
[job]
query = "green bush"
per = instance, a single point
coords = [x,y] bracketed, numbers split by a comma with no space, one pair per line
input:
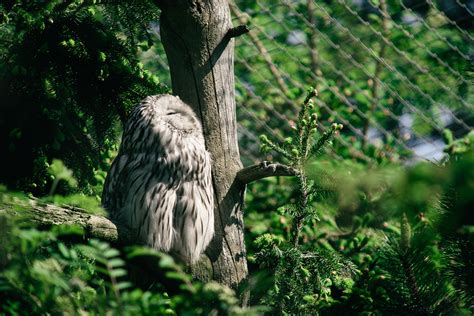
[53,272]
[66,78]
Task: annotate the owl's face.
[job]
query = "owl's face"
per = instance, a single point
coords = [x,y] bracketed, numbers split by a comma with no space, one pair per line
[178,114]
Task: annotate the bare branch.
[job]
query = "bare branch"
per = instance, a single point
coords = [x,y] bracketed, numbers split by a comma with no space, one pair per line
[95,226]
[237,31]
[264,170]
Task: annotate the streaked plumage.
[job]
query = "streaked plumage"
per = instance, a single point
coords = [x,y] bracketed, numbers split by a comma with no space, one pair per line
[160,182]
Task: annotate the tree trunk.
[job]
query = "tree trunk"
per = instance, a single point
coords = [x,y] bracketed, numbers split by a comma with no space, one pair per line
[201,57]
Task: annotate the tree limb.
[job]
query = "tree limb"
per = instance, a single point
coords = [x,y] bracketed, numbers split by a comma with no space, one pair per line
[237,31]
[264,170]
[44,214]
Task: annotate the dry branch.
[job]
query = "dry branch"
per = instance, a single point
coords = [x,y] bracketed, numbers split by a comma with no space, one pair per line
[44,214]
[237,31]
[264,170]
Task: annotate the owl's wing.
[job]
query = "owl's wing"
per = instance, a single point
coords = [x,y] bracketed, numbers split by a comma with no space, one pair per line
[140,192]
[194,213]
[113,185]
[140,154]
[193,221]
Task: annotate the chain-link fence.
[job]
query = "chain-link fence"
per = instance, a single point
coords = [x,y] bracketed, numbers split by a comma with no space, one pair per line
[396,73]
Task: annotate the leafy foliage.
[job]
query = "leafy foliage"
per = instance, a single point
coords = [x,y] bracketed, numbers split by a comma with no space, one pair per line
[66,76]
[337,47]
[296,151]
[45,272]
[382,239]
[302,278]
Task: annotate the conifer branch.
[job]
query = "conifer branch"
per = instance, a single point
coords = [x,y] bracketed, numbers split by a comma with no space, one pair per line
[271,145]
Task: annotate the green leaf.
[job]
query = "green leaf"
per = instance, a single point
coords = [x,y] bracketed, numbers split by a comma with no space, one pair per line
[102,57]
[111,252]
[448,136]
[177,276]
[167,262]
[116,273]
[123,285]
[116,262]
[60,172]
[63,250]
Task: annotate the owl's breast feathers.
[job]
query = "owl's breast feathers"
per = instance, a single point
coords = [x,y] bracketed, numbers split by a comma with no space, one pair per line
[160,183]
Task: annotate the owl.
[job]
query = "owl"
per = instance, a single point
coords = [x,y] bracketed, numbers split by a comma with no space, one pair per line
[160,182]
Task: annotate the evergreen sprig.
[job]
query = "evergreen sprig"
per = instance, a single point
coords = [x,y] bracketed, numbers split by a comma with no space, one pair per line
[300,147]
[412,279]
[303,279]
[296,151]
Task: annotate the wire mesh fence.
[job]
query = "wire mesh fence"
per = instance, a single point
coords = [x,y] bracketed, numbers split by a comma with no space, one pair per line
[396,73]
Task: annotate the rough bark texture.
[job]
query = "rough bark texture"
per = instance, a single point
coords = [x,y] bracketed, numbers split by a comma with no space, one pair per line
[47,214]
[201,59]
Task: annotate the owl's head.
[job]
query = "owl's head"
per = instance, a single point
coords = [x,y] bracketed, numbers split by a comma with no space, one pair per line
[175,112]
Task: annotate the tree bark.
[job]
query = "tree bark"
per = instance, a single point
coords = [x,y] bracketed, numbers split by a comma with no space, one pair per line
[45,214]
[201,59]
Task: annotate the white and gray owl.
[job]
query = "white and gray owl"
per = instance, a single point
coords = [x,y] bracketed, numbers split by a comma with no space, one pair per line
[160,183]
